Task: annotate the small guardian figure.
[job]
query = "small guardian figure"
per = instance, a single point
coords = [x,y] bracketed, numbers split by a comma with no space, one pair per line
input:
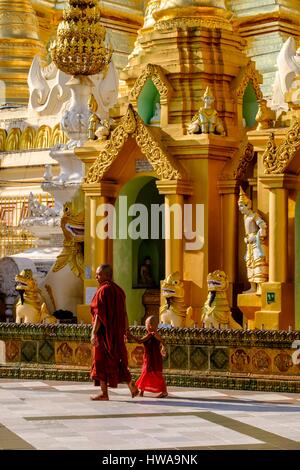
[206,121]
[265,117]
[94,120]
[98,129]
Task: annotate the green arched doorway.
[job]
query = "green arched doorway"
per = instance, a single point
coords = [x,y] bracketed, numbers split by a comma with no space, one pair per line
[129,253]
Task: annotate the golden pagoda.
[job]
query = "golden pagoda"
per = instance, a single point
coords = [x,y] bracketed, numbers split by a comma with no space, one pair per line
[176,143]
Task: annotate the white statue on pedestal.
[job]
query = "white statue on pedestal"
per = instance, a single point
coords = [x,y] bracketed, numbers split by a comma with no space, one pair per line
[256,248]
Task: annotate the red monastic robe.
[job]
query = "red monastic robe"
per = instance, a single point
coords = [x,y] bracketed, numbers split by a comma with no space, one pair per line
[110,361]
[151,378]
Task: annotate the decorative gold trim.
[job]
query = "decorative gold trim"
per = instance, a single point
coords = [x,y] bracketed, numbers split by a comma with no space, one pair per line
[3,137]
[13,139]
[131,124]
[43,137]
[31,138]
[209,22]
[276,159]
[248,74]
[156,74]
[163,165]
[58,136]
[28,138]
[245,159]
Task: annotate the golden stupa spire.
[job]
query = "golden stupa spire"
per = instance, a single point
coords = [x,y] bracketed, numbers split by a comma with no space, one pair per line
[19,43]
[79,48]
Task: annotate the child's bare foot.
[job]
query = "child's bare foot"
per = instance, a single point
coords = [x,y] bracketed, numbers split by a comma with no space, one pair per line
[133,389]
[162,395]
[141,393]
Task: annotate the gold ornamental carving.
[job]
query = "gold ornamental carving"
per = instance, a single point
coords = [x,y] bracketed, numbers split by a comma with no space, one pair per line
[160,161]
[71,253]
[28,138]
[185,16]
[13,139]
[246,157]
[31,138]
[249,74]
[276,159]
[132,125]
[58,136]
[43,137]
[155,73]
[79,47]
[191,22]
[3,136]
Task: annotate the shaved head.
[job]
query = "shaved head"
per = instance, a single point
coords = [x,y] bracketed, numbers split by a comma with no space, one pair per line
[105,270]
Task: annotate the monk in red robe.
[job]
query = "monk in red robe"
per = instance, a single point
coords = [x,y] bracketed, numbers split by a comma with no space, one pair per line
[110,329]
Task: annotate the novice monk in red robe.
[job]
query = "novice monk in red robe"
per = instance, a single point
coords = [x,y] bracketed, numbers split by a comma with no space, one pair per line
[110,327]
[151,379]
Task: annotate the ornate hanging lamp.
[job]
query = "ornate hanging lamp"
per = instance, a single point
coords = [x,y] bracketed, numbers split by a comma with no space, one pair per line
[79,47]
[80,50]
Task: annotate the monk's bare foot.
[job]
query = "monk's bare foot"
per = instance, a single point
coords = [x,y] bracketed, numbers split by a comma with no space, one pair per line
[141,393]
[162,395]
[133,389]
[99,397]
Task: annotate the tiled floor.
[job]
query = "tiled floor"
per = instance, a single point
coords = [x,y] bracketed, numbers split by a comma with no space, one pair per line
[52,415]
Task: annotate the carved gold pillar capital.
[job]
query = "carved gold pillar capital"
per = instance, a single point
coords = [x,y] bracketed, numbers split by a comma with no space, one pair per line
[108,189]
[281,181]
[228,186]
[184,188]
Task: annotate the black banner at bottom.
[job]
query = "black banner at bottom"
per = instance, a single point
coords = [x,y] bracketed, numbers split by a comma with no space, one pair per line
[136,459]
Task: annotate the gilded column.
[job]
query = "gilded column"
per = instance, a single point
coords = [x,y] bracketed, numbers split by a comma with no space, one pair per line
[98,248]
[229,193]
[174,192]
[174,233]
[278,234]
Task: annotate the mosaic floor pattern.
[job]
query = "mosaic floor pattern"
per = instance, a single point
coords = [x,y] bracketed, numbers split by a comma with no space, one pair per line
[59,415]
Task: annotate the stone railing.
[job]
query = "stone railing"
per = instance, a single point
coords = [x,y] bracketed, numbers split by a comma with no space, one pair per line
[240,359]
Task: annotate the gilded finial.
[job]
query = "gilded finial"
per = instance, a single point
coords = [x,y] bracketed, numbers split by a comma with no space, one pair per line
[243,199]
[208,93]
